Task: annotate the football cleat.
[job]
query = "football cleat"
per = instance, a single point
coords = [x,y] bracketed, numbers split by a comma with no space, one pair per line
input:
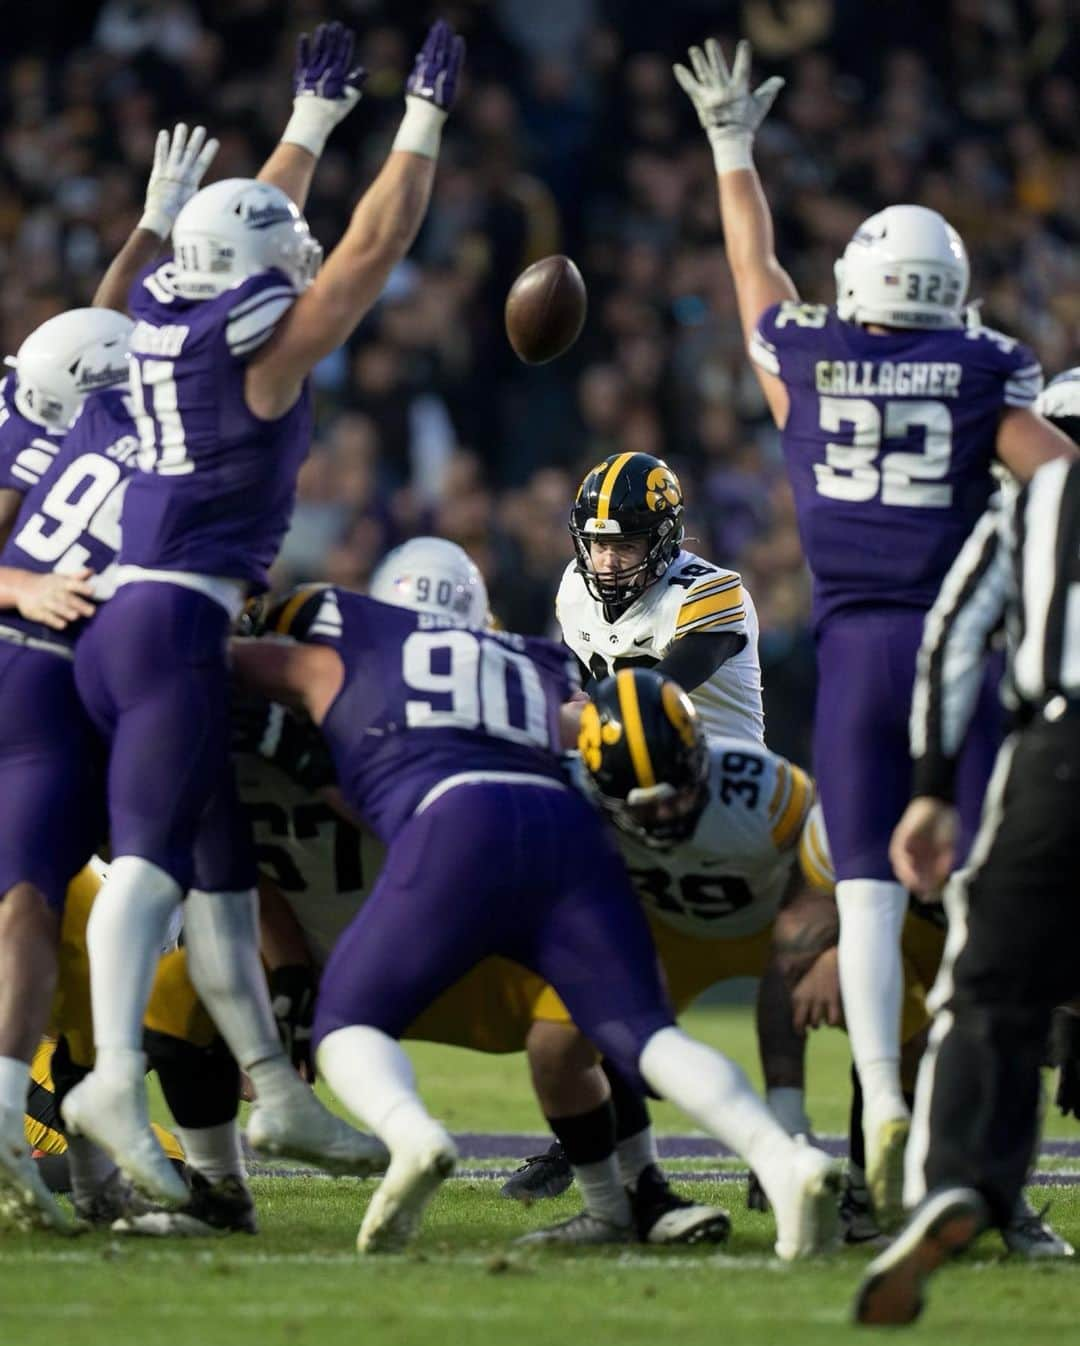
[113,1112]
[857,1223]
[223,1207]
[807,1212]
[114,1200]
[302,1129]
[582,1228]
[1028,1235]
[662,1216]
[415,1174]
[885,1148]
[541,1176]
[755,1194]
[25,1201]
[891,1293]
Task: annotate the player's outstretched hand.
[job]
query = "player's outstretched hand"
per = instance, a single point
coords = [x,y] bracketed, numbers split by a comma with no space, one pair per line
[327,85]
[437,67]
[180,163]
[726,108]
[923,846]
[56,600]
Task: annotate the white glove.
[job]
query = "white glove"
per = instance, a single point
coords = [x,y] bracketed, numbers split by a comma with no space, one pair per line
[179,165]
[726,108]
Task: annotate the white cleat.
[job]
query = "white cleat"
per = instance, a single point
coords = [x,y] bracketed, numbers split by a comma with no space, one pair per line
[25,1201]
[807,1212]
[885,1146]
[414,1176]
[302,1129]
[113,1113]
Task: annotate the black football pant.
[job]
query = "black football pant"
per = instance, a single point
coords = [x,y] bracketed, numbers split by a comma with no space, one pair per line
[1013,953]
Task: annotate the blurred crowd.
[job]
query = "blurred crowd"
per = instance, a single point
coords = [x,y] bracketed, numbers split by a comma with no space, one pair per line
[571,135]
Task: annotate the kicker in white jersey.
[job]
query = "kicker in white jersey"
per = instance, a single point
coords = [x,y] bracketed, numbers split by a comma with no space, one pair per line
[692,595]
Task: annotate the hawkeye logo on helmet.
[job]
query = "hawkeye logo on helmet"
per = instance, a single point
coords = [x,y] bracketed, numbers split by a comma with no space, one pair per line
[662,490]
[593,736]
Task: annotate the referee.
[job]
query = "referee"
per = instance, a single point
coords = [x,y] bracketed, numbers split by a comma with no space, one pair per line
[1014,911]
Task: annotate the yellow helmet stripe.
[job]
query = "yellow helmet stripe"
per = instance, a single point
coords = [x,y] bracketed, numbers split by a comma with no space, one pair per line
[630,713]
[603,503]
[288,613]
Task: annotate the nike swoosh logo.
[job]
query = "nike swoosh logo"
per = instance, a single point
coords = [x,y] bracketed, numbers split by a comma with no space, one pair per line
[646,641]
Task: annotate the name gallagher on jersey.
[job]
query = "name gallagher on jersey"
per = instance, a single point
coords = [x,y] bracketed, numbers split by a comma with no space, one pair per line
[885,378]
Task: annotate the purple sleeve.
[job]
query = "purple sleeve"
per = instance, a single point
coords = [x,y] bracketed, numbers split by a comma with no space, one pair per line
[785,328]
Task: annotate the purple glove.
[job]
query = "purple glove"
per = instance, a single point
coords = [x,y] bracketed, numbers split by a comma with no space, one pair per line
[438,63]
[326,83]
[324,64]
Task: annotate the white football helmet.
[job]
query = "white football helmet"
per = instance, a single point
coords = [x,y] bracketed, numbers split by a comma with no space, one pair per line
[904,267]
[430,574]
[1059,401]
[67,357]
[235,229]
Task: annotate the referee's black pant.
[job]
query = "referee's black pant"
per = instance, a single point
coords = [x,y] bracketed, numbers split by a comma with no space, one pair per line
[1013,953]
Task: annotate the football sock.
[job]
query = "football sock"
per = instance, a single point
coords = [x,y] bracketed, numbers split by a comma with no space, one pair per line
[221,931]
[214,1151]
[635,1154]
[14,1083]
[589,1142]
[635,1144]
[715,1093]
[872,983]
[374,1078]
[788,1106]
[89,1166]
[125,934]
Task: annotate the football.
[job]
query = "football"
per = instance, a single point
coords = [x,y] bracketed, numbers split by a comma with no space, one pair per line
[545,309]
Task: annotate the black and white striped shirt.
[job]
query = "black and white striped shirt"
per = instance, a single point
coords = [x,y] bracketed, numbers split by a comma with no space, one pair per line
[1019,568]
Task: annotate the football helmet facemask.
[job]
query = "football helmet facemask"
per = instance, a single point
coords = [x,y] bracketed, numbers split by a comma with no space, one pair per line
[629,496]
[644,749]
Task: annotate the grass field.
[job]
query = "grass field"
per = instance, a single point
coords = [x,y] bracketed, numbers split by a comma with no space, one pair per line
[300,1282]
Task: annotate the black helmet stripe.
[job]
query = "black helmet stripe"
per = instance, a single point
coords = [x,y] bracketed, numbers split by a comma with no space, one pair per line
[630,712]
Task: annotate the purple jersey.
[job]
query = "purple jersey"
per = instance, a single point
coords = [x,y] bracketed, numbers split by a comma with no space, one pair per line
[26,449]
[214,491]
[423,701]
[889,441]
[70,519]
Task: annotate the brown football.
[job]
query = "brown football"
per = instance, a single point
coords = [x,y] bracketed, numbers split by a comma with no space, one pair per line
[545,309]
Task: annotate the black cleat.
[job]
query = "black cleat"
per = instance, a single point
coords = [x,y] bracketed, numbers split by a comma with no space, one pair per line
[540,1177]
[891,1294]
[661,1215]
[224,1207]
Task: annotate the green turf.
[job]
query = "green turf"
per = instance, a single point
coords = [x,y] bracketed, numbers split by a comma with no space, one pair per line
[464,1284]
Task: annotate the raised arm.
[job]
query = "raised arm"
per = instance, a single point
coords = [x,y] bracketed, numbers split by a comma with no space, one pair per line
[731,115]
[327,84]
[381,231]
[180,163]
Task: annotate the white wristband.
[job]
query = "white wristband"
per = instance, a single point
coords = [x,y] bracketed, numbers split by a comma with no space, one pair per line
[421,128]
[156,222]
[732,152]
[310,125]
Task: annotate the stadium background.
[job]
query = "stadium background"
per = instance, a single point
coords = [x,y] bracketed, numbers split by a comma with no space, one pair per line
[570,136]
